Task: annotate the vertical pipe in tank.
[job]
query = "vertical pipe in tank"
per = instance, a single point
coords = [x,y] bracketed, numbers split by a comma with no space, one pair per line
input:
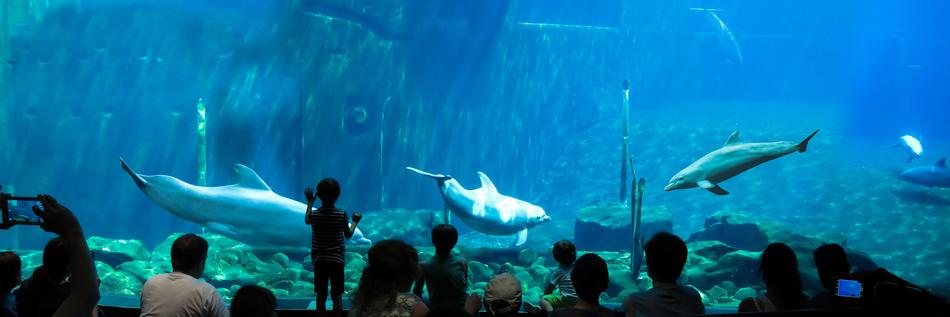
[202,144]
[382,127]
[626,136]
[636,208]
[301,104]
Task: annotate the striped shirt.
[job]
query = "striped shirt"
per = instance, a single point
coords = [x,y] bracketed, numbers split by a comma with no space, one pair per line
[562,279]
[329,232]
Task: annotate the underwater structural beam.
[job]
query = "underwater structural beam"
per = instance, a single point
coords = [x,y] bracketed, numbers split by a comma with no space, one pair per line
[380,158]
[202,144]
[624,158]
[636,208]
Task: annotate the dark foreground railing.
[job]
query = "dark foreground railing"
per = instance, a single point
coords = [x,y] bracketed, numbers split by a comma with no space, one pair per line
[945,311]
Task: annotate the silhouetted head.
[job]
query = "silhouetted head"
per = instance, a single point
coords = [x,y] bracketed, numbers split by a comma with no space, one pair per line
[564,252]
[444,238]
[779,269]
[253,301]
[666,255]
[392,267]
[503,295]
[590,277]
[328,190]
[679,181]
[56,260]
[189,253]
[10,269]
[831,261]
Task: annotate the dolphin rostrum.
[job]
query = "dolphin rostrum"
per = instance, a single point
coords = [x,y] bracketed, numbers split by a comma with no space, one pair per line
[486,210]
[247,211]
[937,175]
[730,160]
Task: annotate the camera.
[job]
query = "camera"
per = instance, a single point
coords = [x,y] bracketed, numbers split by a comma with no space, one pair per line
[18,211]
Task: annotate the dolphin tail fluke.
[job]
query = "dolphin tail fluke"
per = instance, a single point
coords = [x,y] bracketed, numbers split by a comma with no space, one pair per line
[438,177]
[135,177]
[803,146]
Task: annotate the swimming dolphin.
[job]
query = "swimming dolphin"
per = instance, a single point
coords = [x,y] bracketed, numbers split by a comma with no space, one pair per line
[247,211]
[912,146]
[486,210]
[724,35]
[937,175]
[730,160]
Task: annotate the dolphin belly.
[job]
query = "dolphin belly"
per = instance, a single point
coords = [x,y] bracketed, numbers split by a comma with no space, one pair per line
[487,226]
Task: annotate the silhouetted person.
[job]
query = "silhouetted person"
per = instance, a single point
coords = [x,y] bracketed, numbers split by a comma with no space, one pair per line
[831,261]
[10,268]
[45,293]
[665,256]
[783,283]
[327,249]
[181,293]
[392,267]
[253,301]
[46,288]
[590,277]
[503,296]
[445,276]
[565,254]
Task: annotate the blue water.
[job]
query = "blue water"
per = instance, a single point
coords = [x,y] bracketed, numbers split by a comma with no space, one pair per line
[527,92]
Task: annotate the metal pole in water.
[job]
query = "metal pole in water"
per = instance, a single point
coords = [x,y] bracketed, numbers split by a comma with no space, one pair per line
[382,128]
[636,207]
[202,144]
[626,144]
[301,105]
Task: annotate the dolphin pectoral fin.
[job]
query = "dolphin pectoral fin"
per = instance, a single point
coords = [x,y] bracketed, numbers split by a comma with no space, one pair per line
[220,228]
[249,179]
[487,185]
[942,163]
[715,189]
[135,177]
[522,237]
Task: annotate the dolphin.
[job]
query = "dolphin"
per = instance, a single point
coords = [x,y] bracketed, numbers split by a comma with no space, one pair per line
[937,175]
[730,160]
[247,211]
[727,39]
[486,210]
[912,146]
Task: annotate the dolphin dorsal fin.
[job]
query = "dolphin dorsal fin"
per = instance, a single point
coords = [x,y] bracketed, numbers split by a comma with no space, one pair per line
[249,179]
[486,183]
[941,163]
[733,139]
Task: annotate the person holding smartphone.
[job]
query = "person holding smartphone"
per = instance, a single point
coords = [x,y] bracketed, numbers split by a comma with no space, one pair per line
[832,264]
[68,255]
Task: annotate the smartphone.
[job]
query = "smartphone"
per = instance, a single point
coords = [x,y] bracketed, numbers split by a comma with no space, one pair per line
[849,288]
[19,210]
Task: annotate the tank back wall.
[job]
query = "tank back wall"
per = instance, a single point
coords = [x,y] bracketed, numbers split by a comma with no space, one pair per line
[435,83]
